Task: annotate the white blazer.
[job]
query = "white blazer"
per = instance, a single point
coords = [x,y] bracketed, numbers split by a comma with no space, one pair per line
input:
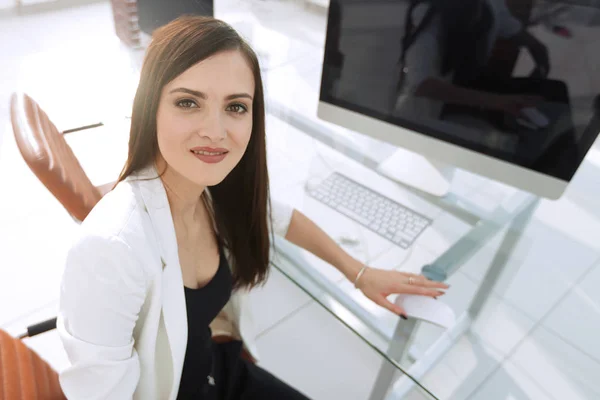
[122,316]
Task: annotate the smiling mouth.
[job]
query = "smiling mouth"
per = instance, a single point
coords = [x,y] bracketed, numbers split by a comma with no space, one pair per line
[208,153]
[210,157]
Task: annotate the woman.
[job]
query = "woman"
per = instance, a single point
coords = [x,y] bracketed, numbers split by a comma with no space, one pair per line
[185,233]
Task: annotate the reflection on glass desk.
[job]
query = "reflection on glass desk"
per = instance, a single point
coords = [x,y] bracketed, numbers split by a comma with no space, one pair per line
[462,225]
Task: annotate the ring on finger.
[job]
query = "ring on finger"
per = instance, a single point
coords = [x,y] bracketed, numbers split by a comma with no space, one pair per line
[411,280]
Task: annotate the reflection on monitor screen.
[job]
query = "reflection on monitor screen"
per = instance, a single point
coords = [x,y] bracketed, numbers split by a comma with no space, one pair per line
[516,80]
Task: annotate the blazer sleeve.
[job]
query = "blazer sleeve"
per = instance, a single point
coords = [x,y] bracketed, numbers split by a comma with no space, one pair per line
[102,292]
[281,215]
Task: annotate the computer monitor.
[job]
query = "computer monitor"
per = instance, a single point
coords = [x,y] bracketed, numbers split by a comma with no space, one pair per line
[156,13]
[505,88]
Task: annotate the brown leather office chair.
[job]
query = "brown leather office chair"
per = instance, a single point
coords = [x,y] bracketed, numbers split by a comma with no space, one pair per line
[24,375]
[50,158]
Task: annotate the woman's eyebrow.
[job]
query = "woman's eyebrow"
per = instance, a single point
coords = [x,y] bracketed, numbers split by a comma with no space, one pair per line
[238,96]
[189,91]
[204,96]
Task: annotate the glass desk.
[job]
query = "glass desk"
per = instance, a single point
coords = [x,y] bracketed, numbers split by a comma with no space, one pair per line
[518,266]
[409,348]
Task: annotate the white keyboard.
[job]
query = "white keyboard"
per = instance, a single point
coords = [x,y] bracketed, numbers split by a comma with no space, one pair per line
[384,216]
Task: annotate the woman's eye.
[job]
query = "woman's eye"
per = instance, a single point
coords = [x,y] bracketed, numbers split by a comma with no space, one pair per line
[237,108]
[186,103]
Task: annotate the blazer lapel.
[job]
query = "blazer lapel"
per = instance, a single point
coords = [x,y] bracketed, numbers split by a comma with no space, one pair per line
[156,204]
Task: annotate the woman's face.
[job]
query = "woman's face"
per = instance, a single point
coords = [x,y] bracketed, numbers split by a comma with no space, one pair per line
[204,118]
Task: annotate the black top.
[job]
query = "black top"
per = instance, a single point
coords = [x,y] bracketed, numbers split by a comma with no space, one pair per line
[203,305]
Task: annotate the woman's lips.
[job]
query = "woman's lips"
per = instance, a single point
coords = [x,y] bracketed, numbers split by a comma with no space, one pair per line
[209,155]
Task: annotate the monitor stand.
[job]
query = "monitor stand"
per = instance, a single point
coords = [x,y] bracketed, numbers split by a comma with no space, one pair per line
[414,170]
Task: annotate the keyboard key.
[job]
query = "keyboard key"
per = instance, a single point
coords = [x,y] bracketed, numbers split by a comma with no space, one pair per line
[353,215]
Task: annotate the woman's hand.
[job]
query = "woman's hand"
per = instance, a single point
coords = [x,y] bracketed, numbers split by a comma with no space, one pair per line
[378,284]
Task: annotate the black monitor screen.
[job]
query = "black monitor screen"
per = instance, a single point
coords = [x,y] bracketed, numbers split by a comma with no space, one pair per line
[518,80]
[156,13]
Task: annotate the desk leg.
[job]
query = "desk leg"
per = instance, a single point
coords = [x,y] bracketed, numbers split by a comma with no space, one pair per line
[404,332]
[397,351]
[497,267]
[500,260]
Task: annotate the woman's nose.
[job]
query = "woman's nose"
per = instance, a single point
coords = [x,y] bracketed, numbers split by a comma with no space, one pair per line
[214,127]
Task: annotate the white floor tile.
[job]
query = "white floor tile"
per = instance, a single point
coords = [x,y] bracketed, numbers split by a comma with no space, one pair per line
[585,186]
[510,383]
[43,313]
[417,394]
[576,221]
[502,325]
[315,353]
[577,318]
[24,187]
[20,44]
[462,369]
[33,252]
[441,380]
[562,370]
[544,265]
[274,301]
[49,346]
[91,147]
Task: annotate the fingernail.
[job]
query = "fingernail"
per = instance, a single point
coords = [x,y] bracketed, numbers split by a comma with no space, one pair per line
[403,317]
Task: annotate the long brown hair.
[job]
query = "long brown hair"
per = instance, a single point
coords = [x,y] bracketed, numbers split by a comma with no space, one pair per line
[240,203]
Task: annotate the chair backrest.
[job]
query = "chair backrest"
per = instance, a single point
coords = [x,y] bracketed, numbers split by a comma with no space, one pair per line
[24,375]
[48,155]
